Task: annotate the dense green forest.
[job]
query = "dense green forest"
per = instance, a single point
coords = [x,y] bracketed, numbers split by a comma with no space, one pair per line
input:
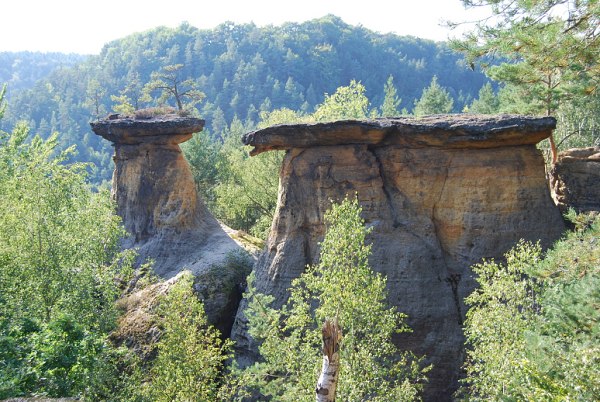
[21,70]
[532,328]
[242,69]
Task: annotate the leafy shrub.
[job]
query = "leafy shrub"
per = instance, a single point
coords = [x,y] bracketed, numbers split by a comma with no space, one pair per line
[343,286]
[533,324]
[191,354]
[59,262]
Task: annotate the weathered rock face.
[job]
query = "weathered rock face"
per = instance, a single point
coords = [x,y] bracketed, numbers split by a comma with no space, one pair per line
[156,196]
[152,183]
[441,193]
[574,179]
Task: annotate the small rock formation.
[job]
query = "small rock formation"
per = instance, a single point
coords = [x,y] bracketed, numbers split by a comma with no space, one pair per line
[575,178]
[156,196]
[441,193]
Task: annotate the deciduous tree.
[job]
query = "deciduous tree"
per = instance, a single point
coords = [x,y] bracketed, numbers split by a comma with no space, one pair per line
[348,102]
[533,325]
[340,286]
[59,266]
[191,355]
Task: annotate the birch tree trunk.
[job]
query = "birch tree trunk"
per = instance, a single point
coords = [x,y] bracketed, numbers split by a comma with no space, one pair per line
[326,386]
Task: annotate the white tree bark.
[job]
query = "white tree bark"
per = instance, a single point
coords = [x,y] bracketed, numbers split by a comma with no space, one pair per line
[326,386]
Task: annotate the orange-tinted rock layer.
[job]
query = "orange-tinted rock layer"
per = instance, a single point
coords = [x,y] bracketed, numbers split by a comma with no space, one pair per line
[169,224]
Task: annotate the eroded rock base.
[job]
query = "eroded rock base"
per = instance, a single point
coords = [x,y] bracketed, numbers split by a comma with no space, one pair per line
[435,211]
[575,180]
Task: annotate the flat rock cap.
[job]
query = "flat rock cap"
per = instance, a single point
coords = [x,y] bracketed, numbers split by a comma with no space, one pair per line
[169,128]
[447,131]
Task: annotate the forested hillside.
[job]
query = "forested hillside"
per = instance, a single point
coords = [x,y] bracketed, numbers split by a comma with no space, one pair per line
[80,317]
[21,70]
[242,70]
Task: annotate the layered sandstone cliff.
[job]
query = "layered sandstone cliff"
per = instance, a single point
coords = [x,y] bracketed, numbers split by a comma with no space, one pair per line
[575,178]
[167,221]
[441,193]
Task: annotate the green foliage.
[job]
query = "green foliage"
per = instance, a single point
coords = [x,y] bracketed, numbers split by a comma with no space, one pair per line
[2,103]
[59,261]
[246,194]
[21,70]
[45,213]
[204,156]
[342,285]
[551,52]
[348,102]
[389,108]
[171,85]
[486,103]
[130,98]
[122,104]
[241,68]
[501,310]
[191,355]
[434,100]
[94,96]
[533,324]
[547,53]
[578,123]
[246,189]
[281,116]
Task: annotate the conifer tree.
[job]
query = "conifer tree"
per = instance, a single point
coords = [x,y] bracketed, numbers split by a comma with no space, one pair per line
[487,102]
[389,108]
[551,46]
[434,100]
[171,85]
[548,50]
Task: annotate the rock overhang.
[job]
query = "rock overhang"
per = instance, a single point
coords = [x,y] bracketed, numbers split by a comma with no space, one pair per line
[444,131]
[171,129]
[440,192]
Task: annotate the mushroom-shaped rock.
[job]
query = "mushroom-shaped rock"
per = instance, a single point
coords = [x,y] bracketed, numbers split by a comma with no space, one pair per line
[440,192]
[157,199]
[152,182]
[445,131]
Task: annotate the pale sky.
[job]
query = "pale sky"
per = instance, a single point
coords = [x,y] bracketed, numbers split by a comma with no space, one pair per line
[84,26]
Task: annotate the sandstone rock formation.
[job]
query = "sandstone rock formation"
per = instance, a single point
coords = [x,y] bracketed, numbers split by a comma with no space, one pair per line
[156,196]
[575,179]
[441,193]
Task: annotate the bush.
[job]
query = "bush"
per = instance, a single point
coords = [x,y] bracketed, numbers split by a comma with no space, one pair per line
[533,324]
[191,355]
[59,261]
[344,287]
